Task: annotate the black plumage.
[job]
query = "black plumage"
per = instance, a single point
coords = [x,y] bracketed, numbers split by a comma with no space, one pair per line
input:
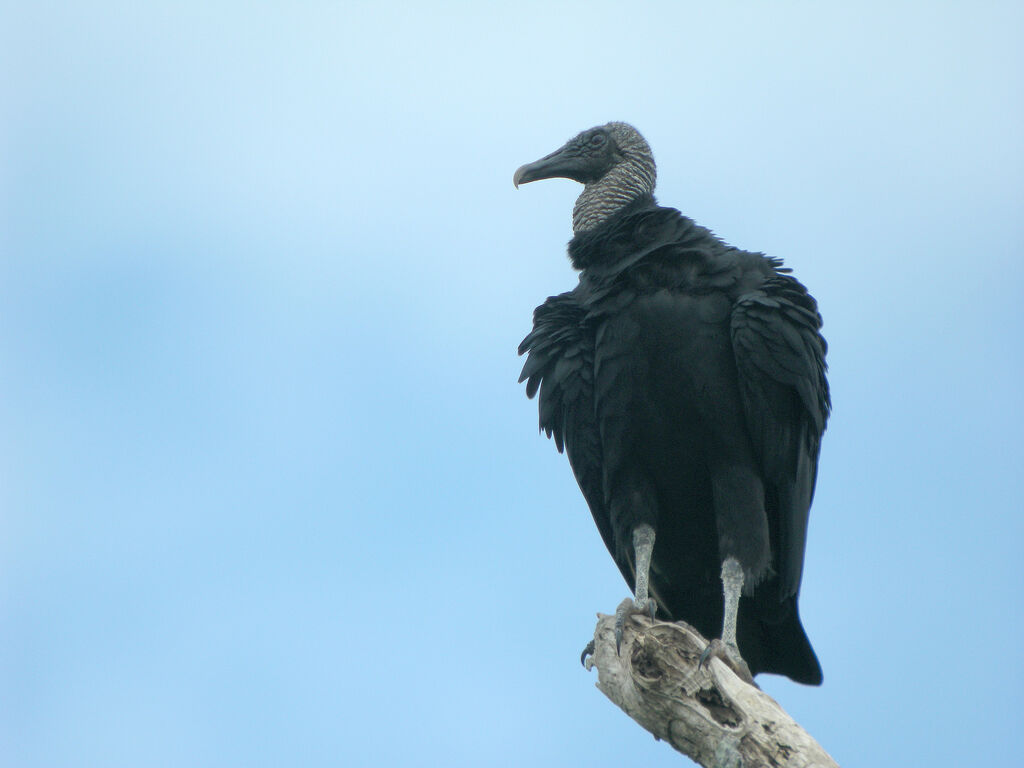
[685,380]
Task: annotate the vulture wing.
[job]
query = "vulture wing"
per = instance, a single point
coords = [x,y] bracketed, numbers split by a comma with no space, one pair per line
[780,357]
[560,365]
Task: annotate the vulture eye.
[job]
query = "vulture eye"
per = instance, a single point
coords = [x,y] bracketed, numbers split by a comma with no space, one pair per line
[597,140]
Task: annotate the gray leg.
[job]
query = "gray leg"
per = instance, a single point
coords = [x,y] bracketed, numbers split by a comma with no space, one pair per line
[643,546]
[727,649]
[732,586]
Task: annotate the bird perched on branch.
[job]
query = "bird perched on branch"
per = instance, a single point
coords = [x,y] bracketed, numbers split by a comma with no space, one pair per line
[685,379]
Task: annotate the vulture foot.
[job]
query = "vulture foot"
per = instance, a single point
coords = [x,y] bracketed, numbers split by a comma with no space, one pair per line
[626,608]
[730,654]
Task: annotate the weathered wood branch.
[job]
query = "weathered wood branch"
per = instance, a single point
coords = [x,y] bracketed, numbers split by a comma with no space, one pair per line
[709,713]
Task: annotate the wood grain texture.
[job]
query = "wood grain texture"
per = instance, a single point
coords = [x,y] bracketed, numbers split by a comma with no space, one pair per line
[709,713]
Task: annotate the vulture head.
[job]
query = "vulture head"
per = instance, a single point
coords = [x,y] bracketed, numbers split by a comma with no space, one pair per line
[612,161]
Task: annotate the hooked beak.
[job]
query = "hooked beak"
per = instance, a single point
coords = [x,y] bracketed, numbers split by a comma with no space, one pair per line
[564,163]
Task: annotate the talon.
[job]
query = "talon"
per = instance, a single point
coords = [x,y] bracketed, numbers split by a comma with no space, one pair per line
[704,657]
[587,651]
[730,655]
[624,609]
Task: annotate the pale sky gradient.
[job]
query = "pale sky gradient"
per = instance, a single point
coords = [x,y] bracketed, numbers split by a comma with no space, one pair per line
[269,491]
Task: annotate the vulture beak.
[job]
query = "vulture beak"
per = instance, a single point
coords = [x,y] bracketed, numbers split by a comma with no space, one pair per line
[564,163]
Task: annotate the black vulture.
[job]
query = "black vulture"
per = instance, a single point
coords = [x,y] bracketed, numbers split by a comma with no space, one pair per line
[685,379]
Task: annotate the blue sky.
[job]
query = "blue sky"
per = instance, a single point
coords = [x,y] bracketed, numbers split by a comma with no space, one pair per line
[270,493]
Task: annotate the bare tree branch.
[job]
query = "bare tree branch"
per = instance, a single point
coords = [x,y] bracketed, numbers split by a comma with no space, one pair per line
[708,714]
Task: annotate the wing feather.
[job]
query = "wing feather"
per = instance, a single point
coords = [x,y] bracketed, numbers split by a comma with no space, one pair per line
[560,365]
[780,357]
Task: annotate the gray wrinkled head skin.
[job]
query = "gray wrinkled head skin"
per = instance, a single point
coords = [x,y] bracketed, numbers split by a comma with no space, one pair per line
[634,175]
[613,162]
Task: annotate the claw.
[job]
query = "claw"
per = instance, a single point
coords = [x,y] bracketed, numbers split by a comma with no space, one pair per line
[704,657]
[626,607]
[588,651]
[730,654]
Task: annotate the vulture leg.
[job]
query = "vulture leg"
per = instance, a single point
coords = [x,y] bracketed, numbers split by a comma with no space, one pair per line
[732,586]
[726,649]
[643,546]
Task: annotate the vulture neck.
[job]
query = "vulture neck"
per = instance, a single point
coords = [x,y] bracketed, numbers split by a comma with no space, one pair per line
[615,190]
